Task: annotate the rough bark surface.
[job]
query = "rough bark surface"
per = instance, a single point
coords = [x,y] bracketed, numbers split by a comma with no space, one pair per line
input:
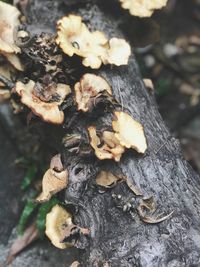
[118,237]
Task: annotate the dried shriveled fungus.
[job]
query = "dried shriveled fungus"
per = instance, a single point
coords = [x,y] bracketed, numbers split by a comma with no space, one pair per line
[55,179]
[75,38]
[129,132]
[43,100]
[106,147]
[56,221]
[146,210]
[89,87]
[9,19]
[142,8]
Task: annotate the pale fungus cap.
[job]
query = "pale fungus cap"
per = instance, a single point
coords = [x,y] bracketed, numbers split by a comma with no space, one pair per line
[48,111]
[52,183]
[74,37]
[142,8]
[9,19]
[111,147]
[56,221]
[106,179]
[118,52]
[129,132]
[90,86]
[14,60]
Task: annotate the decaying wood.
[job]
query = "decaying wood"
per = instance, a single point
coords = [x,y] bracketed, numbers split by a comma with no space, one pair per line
[118,237]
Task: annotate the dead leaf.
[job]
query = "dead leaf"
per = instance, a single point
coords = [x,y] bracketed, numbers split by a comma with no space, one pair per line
[30,235]
[107,179]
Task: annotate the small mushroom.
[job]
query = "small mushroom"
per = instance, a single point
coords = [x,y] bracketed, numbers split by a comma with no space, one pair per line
[108,147]
[149,84]
[129,132]
[107,179]
[34,98]
[89,87]
[142,8]
[74,37]
[9,19]
[56,221]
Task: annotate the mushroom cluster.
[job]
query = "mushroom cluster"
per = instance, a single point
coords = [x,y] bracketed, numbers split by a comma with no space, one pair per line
[127,133]
[142,8]
[75,38]
[45,91]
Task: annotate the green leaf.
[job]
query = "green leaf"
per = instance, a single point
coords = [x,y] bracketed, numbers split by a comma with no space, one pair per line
[29,177]
[28,210]
[42,213]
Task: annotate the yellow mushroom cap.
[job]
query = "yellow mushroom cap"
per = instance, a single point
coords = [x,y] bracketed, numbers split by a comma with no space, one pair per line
[48,111]
[142,8]
[110,149]
[129,132]
[56,221]
[52,183]
[9,19]
[74,37]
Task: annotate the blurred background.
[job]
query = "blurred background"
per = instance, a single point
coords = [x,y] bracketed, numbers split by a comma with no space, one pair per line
[168,53]
[167,48]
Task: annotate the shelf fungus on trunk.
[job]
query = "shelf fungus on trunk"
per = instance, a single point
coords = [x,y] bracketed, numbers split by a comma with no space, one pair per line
[107,179]
[9,21]
[88,89]
[55,179]
[142,8]
[129,132]
[107,146]
[74,37]
[61,230]
[44,99]
[56,221]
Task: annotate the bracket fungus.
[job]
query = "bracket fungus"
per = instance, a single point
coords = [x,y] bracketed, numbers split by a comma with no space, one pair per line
[142,8]
[74,37]
[129,132]
[89,87]
[44,100]
[106,147]
[55,179]
[56,221]
[107,179]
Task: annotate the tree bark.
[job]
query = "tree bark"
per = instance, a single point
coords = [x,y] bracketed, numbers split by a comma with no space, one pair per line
[120,237]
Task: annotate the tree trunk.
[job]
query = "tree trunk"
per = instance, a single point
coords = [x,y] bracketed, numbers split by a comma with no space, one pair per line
[120,237]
